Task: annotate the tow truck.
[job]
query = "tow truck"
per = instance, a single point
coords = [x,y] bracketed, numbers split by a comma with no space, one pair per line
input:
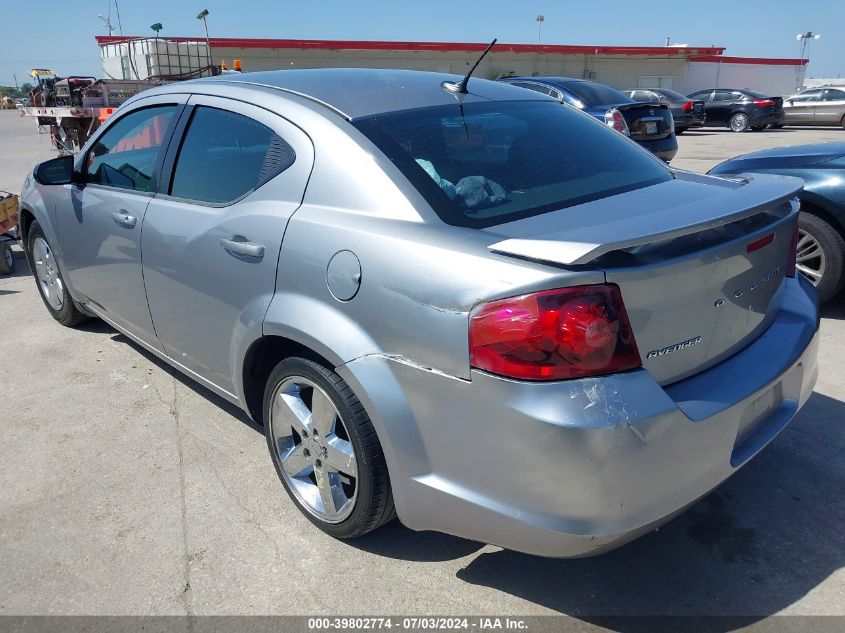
[70,109]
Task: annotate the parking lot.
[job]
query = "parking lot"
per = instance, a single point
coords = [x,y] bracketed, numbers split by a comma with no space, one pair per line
[128,489]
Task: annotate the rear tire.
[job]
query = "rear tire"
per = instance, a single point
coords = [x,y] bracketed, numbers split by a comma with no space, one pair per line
[842,122]
[325,449]
[739,122]
[7,259]
[49,281]
[821,254]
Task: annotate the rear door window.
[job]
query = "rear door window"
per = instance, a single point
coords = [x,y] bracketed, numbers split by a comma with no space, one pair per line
[832,94]
[804,97]
[126,154]
[726,95]
[225,156]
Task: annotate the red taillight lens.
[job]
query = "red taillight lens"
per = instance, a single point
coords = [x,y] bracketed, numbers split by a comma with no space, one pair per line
[687,106]
[791,265]
[553,335]
[764,103]
[614,119]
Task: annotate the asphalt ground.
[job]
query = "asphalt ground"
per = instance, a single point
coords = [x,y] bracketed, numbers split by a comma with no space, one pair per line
[127,489]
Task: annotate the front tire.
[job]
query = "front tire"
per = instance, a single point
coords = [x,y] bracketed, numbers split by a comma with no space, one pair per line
[48,279]
[325,449]
[820,255]
[739,122]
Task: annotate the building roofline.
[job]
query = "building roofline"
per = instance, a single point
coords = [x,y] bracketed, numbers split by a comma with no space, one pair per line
[465,47]
[763,61]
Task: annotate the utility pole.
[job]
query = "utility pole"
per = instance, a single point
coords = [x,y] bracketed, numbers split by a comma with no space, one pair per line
[540,19]
[17,90]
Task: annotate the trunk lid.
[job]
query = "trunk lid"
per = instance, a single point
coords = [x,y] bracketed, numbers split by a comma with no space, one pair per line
[647,121]
[696,283]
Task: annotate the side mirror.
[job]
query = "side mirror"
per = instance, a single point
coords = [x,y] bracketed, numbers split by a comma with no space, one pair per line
[56,171]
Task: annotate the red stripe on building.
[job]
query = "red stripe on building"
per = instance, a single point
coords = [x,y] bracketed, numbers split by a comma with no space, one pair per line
[763,61]
[466,47]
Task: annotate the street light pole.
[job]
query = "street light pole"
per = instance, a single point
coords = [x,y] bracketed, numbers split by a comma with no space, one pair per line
[804,38]
[540,19]
[202,16]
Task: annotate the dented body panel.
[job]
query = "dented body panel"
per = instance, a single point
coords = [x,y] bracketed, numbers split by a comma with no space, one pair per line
[577,467]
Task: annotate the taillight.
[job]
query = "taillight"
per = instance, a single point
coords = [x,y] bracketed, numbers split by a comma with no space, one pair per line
[687,106]
[554,334]
[764,103]
[614,119]
[793,254]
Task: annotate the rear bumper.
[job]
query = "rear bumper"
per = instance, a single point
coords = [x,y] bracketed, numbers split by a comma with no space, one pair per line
[664,148]
[768,118]
[578,467]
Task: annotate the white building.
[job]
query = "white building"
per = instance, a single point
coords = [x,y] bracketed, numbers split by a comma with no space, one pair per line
[686,69]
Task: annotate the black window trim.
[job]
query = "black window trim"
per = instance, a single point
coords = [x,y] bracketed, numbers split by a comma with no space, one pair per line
[175,148]
[165,144]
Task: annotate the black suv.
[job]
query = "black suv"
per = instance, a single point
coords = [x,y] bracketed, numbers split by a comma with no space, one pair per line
[740,110]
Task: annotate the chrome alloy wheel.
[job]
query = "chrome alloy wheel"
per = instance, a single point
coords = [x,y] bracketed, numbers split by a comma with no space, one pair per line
[739,122]
[10,258]
[48,273]
[810,259]
[314,450]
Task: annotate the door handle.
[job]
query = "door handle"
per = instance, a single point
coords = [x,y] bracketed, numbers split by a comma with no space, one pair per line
[240,247]
[124,219]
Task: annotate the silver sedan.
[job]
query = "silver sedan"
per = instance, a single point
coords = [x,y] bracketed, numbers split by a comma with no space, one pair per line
[456,303]
[819,106]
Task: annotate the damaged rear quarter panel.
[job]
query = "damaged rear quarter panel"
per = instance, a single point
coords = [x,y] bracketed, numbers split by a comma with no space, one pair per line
[419,282]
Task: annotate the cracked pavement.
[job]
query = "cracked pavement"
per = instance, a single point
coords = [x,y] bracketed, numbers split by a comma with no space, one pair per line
[127,489]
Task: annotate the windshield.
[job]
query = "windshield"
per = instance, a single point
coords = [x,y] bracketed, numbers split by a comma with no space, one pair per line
[596,94]
[483,164]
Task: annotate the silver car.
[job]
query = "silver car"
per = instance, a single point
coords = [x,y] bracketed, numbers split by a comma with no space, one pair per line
[819,106]
[477,311]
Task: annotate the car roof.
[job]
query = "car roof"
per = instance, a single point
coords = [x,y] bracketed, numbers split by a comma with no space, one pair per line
[362,92]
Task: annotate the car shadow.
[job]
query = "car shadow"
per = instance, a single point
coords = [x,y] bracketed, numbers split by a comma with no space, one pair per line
[835,308]
[763,540]
[394,540]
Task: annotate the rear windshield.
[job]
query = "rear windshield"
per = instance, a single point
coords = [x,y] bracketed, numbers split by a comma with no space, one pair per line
[671,94]
[754,95]
[596,94]
[484,164]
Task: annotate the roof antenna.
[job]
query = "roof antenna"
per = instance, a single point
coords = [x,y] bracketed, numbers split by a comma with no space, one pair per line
[461,88]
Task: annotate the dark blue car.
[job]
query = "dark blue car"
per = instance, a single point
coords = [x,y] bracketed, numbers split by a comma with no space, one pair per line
[649,124]
[821,226]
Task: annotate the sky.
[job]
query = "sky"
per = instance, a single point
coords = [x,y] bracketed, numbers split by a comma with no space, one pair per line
[60,35]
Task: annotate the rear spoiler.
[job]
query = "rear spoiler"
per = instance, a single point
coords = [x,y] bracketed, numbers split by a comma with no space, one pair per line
[622,230]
